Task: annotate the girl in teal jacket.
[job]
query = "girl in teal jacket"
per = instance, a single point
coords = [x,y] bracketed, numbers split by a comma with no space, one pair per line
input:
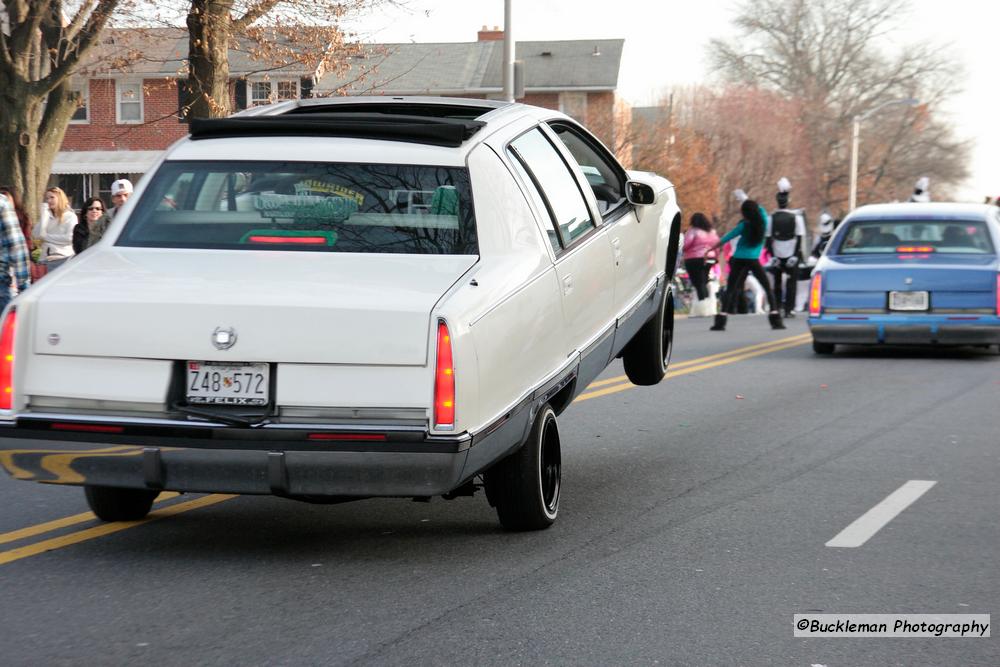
[745,261]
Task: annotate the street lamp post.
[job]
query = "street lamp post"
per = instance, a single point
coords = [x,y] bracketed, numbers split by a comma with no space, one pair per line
[508,50]
[856,140]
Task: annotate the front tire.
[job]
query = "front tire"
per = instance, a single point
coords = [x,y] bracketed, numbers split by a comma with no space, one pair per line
[525,487]
[111,503]
[823,348]
[648,353]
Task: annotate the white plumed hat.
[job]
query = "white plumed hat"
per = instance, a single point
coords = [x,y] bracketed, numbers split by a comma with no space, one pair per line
[825,223]
[740,195]
[784,185]
[923,183]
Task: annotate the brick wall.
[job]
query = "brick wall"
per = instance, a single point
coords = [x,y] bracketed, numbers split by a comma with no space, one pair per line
[159,129]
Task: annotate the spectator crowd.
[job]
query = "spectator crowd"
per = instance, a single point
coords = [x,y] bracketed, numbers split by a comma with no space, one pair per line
[29,250]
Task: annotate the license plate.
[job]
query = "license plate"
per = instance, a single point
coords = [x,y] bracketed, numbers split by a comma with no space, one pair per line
[908,301]
[227,384]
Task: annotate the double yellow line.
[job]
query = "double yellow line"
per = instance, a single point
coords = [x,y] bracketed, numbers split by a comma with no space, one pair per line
[621,383]
[36,548]
[596,389]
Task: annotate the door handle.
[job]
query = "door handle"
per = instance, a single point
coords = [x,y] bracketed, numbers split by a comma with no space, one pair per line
[616,245]
[567,285]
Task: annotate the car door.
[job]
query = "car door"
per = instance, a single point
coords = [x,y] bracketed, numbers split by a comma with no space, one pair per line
[633,243]
[582,254]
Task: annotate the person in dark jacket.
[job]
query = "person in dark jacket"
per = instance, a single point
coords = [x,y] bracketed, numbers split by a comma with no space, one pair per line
[746,261]
[95,221]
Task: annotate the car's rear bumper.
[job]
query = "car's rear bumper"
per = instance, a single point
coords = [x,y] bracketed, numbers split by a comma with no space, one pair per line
[906,330]
[252,461]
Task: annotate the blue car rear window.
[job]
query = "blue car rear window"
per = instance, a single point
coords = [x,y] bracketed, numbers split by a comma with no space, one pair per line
[923,236]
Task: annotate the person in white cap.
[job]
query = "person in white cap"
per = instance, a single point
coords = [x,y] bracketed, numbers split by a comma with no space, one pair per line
[121,190]
[785,236]
[920,193]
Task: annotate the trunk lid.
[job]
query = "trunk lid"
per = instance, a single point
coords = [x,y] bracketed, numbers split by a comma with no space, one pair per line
[292,307]
[884,273]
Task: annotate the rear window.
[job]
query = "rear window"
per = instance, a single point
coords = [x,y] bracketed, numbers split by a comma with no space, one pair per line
[924,236]
[331,207]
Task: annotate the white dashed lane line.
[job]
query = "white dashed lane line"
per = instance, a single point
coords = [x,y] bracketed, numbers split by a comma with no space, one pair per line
[875,519]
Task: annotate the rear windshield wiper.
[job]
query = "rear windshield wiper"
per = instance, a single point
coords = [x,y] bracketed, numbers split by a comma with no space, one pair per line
[225,418]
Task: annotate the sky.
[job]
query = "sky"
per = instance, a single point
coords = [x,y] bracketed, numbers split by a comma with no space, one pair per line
[666,45]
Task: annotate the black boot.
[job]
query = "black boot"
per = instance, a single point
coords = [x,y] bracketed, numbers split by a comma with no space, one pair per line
[775,320]
[720,323]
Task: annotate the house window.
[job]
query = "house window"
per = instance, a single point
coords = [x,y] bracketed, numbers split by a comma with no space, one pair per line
[129,101]
[574,105]
[268,92]
[82,113]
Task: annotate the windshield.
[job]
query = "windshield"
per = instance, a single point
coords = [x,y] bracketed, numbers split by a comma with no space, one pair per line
[331,207]
[921,236]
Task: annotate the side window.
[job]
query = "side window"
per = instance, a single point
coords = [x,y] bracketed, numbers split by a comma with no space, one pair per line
[536,196]
[602,172]
[559,190]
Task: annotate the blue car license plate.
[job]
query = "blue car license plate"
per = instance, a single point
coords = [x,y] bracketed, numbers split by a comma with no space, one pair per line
[909,301]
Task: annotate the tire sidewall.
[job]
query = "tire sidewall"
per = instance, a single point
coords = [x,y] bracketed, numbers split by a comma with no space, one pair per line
[546,418]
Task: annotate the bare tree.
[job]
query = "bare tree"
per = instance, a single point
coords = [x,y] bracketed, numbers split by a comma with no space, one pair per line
[828,55]
[279,33]
[40,48]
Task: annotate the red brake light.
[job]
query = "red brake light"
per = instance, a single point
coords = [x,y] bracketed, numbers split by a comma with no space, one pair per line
[815,293]
[7,360]
[301,240]
[348,437]
[87,428]
[444,380]
[915,248]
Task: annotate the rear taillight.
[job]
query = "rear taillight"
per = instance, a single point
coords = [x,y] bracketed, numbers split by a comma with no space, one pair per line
[815,293]
[7,360]
[444,381]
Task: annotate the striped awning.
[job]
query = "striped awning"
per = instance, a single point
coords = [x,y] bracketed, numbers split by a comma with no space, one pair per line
[104,162]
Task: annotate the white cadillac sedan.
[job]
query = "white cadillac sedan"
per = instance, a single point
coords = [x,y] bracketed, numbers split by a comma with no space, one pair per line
[337,299]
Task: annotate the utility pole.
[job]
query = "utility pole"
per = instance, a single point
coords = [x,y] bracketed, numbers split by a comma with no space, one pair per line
[508,51]
[856,141]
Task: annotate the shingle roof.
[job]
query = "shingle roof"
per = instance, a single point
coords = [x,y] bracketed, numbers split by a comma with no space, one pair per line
[450,68]
[442,68]
[162,52]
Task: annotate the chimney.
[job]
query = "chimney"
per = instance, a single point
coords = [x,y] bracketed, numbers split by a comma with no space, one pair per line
[487,35]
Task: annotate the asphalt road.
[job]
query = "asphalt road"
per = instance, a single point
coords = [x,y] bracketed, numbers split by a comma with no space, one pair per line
[694,522]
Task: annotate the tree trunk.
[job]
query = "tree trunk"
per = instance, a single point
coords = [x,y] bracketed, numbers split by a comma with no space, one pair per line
[208,57]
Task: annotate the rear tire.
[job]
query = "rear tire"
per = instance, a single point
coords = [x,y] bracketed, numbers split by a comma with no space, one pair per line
[823,348]
[525,486]
[111,503]
[647,355]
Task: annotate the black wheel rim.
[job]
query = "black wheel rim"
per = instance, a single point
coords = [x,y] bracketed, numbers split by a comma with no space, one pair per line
[550,465]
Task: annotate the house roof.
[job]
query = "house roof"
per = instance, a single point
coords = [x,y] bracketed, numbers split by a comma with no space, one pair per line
[436,69]
[463,67]
[162,52]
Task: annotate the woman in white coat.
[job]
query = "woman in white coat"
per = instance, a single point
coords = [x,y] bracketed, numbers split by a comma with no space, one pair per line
[56,229]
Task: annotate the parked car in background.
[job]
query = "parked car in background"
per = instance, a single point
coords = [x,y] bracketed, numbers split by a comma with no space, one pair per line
[909,274]
[334,299]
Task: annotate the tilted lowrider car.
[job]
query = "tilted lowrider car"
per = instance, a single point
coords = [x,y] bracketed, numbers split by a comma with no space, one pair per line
[901,274]
[335,299]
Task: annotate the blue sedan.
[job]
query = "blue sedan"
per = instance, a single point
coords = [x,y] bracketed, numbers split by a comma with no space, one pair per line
[909,274]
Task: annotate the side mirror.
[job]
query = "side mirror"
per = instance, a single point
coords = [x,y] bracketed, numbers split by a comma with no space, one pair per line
[639,194]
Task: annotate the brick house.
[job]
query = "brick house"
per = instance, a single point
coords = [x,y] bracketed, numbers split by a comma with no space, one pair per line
[129,115]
